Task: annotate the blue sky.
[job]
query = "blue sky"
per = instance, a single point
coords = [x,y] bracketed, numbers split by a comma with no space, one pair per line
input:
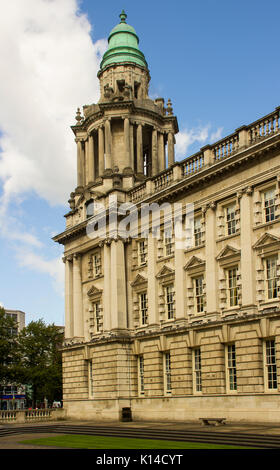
[217,60]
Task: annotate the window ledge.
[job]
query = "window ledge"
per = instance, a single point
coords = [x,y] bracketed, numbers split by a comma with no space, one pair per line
[266,224]
[228,237]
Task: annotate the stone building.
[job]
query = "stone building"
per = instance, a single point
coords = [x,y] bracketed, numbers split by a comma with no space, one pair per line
[172,332]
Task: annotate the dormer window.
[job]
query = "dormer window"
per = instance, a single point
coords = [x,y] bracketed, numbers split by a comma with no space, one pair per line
[136,89]
[89,209]
[121,84]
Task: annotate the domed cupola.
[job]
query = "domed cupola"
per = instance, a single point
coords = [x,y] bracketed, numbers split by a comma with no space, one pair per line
[123,46]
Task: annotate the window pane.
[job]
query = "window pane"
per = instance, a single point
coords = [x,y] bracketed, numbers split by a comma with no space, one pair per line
[230,218]
[271,365]
[269,205]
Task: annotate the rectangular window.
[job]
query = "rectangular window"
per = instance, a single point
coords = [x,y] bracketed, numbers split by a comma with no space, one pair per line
[197,370]
[143,300]
[167,373]
[90,379]
[230,219]
[271,277]
[232,287]
[197,231]
[269,205]
[142,252]
[97,265]
[170,302]
[141,387]
[97,316]
[270,365]
[231,368]
[199,295]
[168,243]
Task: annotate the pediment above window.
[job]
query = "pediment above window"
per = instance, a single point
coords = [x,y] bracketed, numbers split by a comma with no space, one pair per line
[267,240]
[165,272]
[194,262]
[229,253]
[139,281]
[94,292]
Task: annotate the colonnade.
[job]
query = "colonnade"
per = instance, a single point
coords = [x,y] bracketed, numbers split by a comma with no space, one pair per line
[95,151]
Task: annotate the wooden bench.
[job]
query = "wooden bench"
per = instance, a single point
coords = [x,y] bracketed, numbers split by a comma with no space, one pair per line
[215,421]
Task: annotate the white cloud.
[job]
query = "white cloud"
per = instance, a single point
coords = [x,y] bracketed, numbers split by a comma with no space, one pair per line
[217,135]
[200,134]
[54,268]
[49,67]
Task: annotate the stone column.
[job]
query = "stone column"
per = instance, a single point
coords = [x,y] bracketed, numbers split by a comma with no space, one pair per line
[101,150]
[154,152]
[90,167]
[118,286]
[77,297]
[247,255]
[80,161]
[161,152]
[108,144]
[211,276]
[170,148]
[68,296]
[131,131]
[180,287]
[140,160]
[126,126]
[107,288]
[153,315]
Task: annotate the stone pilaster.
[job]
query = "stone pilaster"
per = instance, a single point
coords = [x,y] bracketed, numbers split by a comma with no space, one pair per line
[247,256]
[140,162]
[90,160]
[170,148]
[118,286]
[101,150]
[68,297]
[108,144]
[154,152]
[127,141]
[161,152]
[210,253]
[153,315]
[80,162]
[78,327]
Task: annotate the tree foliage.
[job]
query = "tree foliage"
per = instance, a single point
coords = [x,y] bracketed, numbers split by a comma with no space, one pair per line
[31,357]
[40,362]
[8,347]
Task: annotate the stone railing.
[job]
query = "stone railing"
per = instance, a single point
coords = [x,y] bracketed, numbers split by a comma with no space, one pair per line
[163,180]
[226,147]
[138,192]
[242,138]
[27,416]
[264,127]
[193,164]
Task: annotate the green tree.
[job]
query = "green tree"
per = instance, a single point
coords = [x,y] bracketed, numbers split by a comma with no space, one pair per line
[40,364]
[8,347]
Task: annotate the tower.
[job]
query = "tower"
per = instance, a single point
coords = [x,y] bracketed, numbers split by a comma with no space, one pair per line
[169,331]
[125,133]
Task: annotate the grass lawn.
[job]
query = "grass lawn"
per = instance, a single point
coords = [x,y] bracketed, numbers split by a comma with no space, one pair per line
[99,442]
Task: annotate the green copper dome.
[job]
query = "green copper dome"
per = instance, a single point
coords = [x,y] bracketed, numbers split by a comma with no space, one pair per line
[123,46]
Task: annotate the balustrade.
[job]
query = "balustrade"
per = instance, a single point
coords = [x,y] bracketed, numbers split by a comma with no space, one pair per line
[242,138]
[163,180]
[264,127]
[138,193]
[193,164]
[226,147]
[22,416]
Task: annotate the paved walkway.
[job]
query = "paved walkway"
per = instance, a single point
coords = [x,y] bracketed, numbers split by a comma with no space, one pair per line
[13,441]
